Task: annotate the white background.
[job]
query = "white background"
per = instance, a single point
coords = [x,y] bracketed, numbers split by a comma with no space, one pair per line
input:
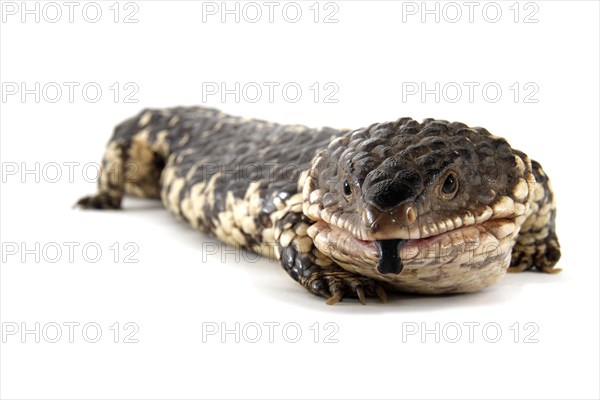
[176,288]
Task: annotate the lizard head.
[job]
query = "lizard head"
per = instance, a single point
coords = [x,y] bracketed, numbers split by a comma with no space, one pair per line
[419,205]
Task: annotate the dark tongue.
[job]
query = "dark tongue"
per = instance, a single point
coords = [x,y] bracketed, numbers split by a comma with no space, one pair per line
[389,256]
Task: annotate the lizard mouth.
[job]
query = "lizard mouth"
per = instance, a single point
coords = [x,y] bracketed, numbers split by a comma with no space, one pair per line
[390,256]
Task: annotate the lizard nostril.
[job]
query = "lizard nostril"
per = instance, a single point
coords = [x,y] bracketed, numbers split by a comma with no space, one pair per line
[370,216]
[407,215]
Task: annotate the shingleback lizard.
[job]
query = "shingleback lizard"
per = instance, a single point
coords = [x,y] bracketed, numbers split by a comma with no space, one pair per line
[431,207]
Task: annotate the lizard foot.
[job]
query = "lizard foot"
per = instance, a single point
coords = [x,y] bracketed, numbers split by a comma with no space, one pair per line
[335,285]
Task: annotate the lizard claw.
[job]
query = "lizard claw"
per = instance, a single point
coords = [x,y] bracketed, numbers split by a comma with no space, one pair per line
[335,298]
[360,292]
[381,294]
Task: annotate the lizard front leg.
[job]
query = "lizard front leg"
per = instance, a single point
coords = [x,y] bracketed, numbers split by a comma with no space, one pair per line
[537,244]
[308,266]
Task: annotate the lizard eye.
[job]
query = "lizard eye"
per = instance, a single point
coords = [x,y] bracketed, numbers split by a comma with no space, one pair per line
[347,188]
[450,186]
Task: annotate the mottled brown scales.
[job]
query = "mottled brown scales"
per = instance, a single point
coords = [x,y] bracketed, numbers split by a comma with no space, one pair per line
[431,207]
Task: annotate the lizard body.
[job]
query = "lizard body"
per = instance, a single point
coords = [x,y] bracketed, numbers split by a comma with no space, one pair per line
[431,207]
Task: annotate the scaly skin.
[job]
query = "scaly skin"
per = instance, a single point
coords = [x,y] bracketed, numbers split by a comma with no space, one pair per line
[431,207]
